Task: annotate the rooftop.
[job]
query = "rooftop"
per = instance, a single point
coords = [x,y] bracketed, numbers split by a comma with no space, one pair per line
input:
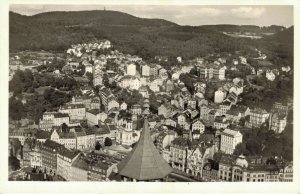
[60,115]
[180,141]
[81,163]
[231,132]
[42,134]
[72,106]
[68,153]
[144,162]
[52,144]
[94,111]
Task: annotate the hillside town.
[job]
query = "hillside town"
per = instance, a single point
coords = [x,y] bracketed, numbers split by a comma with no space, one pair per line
[118,117]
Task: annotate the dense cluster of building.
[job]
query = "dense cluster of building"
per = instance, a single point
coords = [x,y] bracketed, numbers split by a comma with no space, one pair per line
[60,144]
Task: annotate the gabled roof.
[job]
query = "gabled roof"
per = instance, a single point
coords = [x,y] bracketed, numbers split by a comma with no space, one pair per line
[198,120]
[144,162]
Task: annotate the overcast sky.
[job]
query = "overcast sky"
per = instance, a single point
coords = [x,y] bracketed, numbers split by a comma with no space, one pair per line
[262,15]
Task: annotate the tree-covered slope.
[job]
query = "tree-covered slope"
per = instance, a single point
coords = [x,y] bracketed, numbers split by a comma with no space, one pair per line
[129,34]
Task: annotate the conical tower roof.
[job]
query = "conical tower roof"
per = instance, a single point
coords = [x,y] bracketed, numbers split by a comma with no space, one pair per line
[144,162]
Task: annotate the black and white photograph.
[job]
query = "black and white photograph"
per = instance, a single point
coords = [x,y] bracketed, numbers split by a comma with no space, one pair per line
[150,93]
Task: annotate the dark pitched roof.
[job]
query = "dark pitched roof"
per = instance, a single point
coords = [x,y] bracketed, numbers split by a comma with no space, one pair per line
[81,164]
[144,162]
[94,111]
[180,141]
[72,106]
[61,115]
[52,144]
[68,153]
[89,131]
[67,135]
[42,134]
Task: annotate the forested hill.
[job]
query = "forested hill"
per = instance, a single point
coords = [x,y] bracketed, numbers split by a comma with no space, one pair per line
[279,47]
[285,36]
[245,28]
[97,17]
[129,34]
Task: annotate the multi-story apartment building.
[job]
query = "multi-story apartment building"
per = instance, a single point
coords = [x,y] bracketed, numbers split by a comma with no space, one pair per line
[77,138]
[49,151]
[88,101]
[286,173]
[130,82]
[281,107]
[36,156]
[258,116]
[219,73]
[146,70]
[79,169]
[178,153]
[220,122]
[229,139]
[51,119]
[181,119]
[211,71]
[153,70]
[197,128]
[98,71]
[131,69]
[60,118]
[93,116]
[210,171]
[240,169]
[195,161]
[136,109]
[65,159]
[104,94]
[277,122]
[75,111]
[21,134]
[100,167]
[224,107]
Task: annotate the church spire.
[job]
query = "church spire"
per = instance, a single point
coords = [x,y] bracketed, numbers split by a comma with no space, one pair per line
[144,162]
